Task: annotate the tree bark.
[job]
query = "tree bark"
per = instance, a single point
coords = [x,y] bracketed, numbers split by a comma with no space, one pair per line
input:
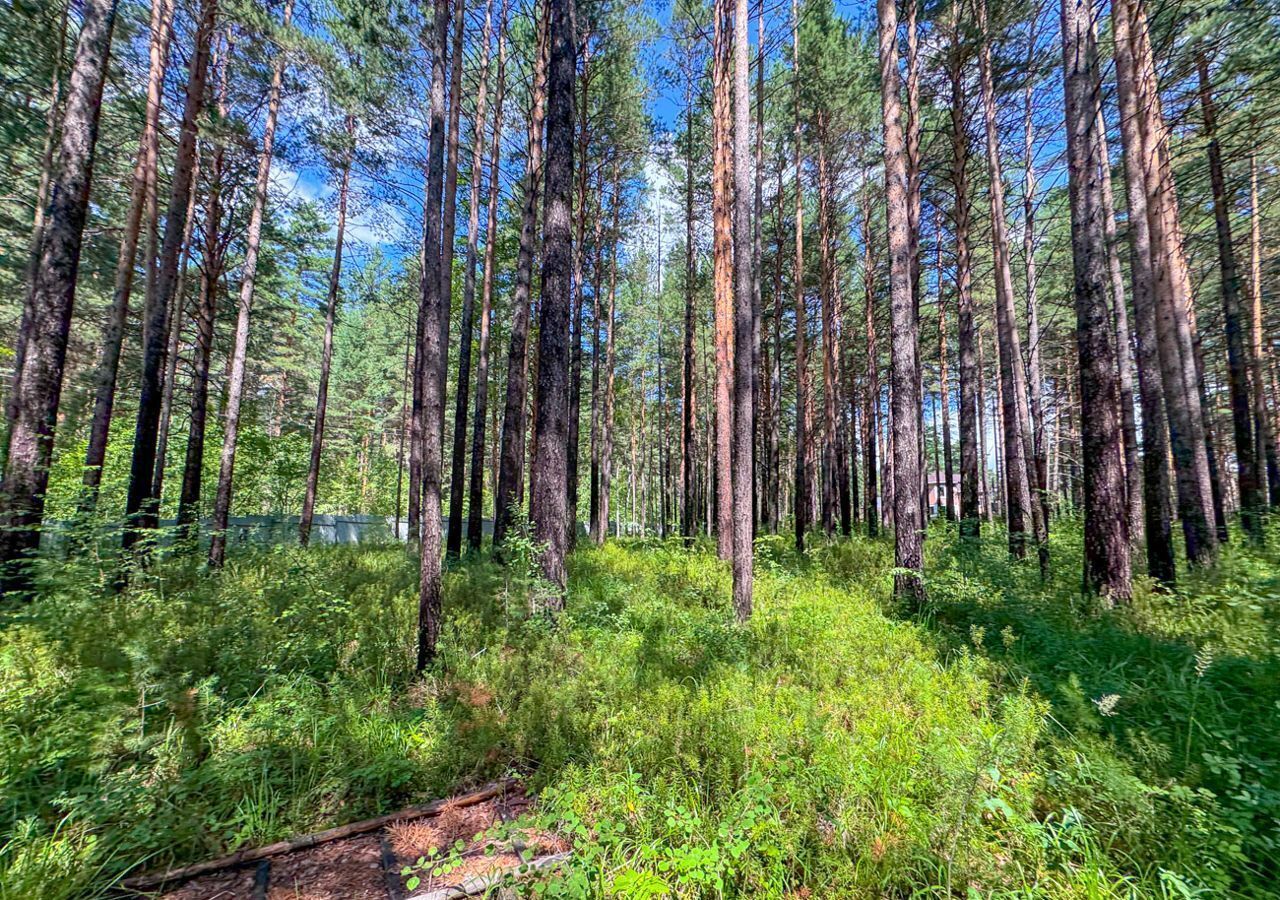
[475,506]
[801,501]
[212,260]
[104,392]
[1021,514]
[1264,432]
[722,271]
[511,463]
[142,504]
[688,413]
[872,404]
[1038,467]
[746,315]
[1154,249]
[457,465]
[432,353]
[908,549]
[240,343]
[1106,522]
[37,384]
[1249,477]
[548,507]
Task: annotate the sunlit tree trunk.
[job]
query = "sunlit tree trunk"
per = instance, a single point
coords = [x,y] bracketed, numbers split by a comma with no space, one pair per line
[905,414]
[475,503]
[1038,466]
[457,470]
[801,500]
[745,330]
[326,347]
[722,270]
[1021,514]
[213,259]
[142,505]
[689,385]
[244,306]
[1264,433]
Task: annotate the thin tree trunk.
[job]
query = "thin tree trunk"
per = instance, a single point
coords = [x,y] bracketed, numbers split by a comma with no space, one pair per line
[475,508]
[548,507]
[1249,477]
[141,507]
[908,550]
[1264,434]
[746,331]
[944,387]
[104,392]
[1035,384]
[432,353]
[37,383]
[1106,523]
[610,358]
[1022,516]
[212,259]
[326,346]
[450,220]
[827,278]
[457,465]
[801,500]
[759,356]
[722,271]
[689,399]
[511,464]
[240,344]
[871,414]
[575,340]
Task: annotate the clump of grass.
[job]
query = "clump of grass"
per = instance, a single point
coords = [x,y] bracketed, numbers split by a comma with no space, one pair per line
[829,746]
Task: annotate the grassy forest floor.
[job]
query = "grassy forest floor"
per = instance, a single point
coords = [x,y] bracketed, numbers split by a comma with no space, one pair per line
[1016,741]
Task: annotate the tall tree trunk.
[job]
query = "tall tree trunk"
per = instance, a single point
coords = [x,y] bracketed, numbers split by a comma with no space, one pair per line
[908,524]
[575,341]
[827,277]
[1154,303]
[475,507]
[972,456]
[1264,433]
[1021,514]
[1038,467]
[37,384]
[511,464]
[872,403]
[759,357]
[450,214]
[722,271]
[801,501]
[944,387]
[745,329]
[457,465]
[326,346]
[1124,343]
[213,257]
[240,341]
[610,358]
[1249,477]
[432,353]
[914,197]
[548,507]
[141,506]
[104,390]
[1106,522]
[688,408]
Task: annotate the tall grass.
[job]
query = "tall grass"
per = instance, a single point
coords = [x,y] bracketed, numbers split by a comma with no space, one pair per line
[1015,742]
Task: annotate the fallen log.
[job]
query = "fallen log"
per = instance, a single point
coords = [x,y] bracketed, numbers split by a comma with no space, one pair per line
[147,882]
[478,884]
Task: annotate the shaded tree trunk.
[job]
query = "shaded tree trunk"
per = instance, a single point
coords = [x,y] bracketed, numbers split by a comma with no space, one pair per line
[801,500]
[104,391]
[432,353]
[745,330]
[548,507]
[46,325]
[1249,478]
[1106,522]
[1264,432]
[689,399]
[511,463]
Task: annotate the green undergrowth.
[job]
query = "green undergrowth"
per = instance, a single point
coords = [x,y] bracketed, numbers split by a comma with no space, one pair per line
[1013,741]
